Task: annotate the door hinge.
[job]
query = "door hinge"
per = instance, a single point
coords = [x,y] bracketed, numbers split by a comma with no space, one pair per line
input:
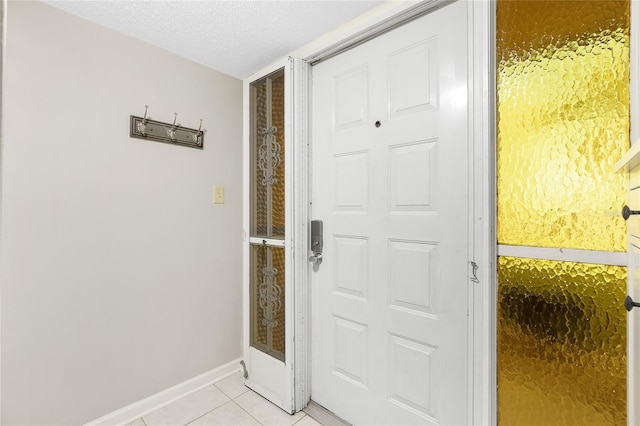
[474,270]
[245,373]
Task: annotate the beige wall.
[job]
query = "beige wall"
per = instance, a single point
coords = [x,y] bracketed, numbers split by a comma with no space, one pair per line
[119,277]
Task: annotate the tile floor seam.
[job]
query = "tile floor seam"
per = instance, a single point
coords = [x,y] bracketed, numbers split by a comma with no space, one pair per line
[208,412]
[272,404]
[228,402]
[212,410]
[233,389]
[231,399]
[250,415]
[190,394]
[229,396]
[305,415]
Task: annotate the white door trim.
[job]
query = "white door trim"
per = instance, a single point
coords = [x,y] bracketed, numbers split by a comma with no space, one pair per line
[482,107]
[634,111]
[634,71]
[299,98]
[482,246]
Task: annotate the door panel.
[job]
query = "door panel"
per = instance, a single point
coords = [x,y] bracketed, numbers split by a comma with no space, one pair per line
[389,180]
[267,301]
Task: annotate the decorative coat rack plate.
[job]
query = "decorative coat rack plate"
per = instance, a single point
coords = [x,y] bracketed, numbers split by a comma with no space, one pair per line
[143,128]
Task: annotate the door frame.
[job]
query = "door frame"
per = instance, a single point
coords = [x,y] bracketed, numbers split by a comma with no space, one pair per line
[634,120]
[482,182]
[481,167]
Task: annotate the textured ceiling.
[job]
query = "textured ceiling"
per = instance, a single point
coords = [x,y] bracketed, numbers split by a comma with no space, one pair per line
[236,37]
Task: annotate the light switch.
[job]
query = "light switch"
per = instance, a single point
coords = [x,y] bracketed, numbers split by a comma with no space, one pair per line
[218,194]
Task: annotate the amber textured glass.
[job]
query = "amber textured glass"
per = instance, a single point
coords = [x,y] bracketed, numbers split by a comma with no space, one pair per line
[267,300]
[563,122]
[259,205]
[268,151]
[277,108]
[561,343]
[267,280]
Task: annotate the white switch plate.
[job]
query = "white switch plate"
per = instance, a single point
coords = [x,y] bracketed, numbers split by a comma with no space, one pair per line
[218,194]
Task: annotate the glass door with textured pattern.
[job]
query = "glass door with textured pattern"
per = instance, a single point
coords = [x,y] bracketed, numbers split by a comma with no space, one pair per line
[563,122]
[265,355]
[267,216]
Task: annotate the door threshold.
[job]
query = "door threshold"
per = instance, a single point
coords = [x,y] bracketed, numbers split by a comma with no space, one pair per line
[322,415]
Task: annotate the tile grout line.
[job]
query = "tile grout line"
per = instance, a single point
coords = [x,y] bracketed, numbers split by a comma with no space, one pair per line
[251,390]
[214,409]
[250,415]
[300,419]
[226,402]
[233,400]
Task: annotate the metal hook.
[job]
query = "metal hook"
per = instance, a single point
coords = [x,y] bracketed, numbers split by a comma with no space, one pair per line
[196,136]
[142,126]
[627,212]
[172,131]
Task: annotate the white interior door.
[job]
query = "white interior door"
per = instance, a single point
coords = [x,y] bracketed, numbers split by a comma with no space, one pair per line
[390,181]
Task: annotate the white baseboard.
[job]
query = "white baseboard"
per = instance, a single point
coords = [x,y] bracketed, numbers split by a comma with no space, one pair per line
[138,409]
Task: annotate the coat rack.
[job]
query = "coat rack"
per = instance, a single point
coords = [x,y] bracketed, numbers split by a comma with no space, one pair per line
[144,128]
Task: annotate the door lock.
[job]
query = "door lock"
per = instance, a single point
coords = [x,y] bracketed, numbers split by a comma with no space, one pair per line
[316,259]
[316,242]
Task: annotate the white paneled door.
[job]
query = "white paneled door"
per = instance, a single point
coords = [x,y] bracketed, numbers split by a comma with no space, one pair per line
[390,182]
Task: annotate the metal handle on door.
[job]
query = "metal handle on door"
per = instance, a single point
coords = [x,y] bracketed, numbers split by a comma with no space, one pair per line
[316,242]
[627,212]
[629,304]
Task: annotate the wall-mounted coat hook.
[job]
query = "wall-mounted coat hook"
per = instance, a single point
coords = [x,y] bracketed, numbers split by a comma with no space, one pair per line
[172,131]
[196,135]
[144,128]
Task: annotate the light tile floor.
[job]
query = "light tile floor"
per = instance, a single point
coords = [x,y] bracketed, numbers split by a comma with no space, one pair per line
[227,402]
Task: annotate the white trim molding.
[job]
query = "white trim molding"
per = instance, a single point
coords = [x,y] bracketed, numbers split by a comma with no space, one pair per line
[565,255]
[299,98]
[633,417]
[482,187]
[143,407]
[634,71]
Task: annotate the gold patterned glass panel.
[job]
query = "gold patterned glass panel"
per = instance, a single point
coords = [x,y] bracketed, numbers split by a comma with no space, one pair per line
[561,343]
[268,150]
[259,121]
[563,122]
[267,300]
[267,280]
[277,108]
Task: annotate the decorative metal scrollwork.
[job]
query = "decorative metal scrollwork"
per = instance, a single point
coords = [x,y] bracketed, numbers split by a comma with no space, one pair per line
[270,296]
[269,155]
